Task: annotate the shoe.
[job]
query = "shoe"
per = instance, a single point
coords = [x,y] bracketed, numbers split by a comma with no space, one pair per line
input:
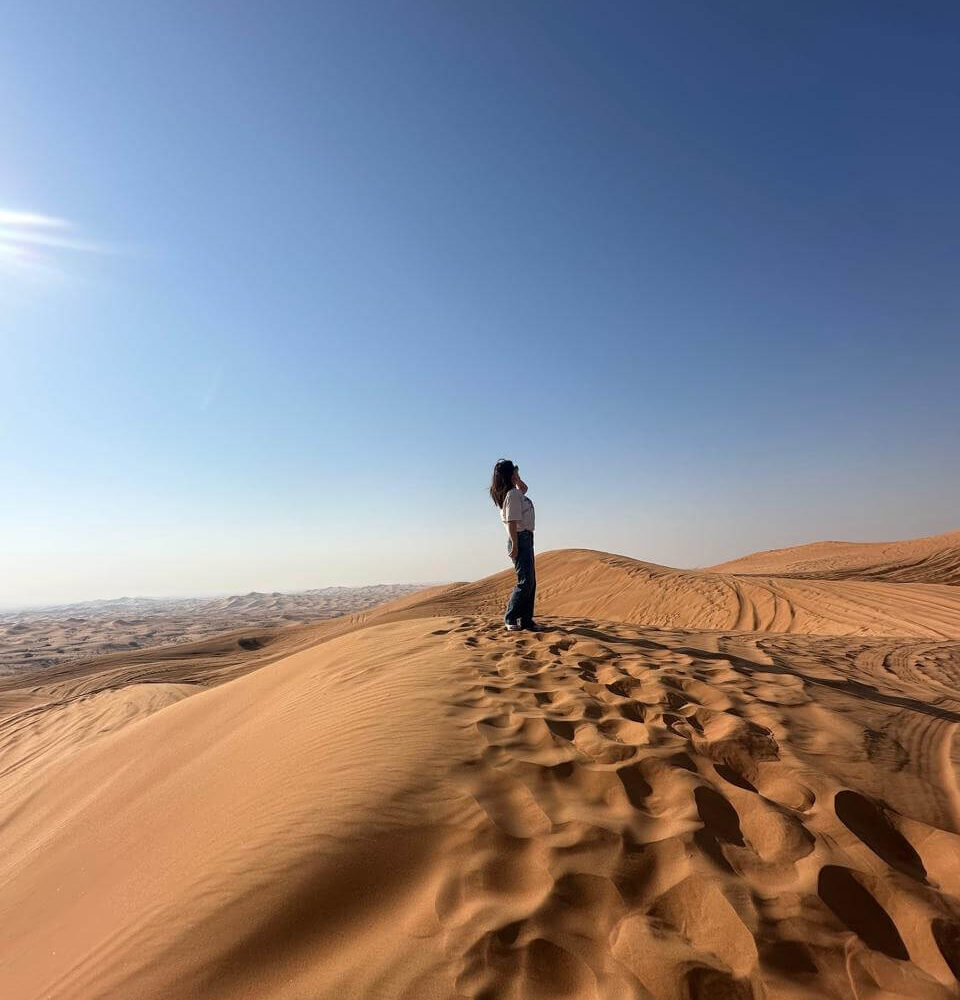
[535,627]
[513,626]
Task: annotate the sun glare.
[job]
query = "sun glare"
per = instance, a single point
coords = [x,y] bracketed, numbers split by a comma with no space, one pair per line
[35,246]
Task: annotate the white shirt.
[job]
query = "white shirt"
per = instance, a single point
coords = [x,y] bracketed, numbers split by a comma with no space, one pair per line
[517,507]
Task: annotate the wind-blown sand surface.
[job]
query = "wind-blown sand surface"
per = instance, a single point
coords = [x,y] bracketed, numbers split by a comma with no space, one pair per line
[699,785]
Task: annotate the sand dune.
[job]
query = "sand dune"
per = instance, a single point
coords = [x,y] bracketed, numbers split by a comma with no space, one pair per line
[581,582]
[921,560]
[52,636]
[409,803]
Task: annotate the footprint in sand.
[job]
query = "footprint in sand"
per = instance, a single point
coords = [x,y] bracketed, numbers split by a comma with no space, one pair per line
[682,760]
[718,816]
[872,825]
[634,712]
[712,984]
[739,755]
[565,730]
[946,933]
[857,910]
[791,958]
[729,774]
[634,784]
[677,724]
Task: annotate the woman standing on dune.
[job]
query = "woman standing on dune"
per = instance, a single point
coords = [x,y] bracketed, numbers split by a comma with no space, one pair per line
[509,493]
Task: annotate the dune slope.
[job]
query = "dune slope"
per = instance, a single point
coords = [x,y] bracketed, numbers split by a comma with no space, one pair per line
[935,559]
[582,582]
[435,808]
[208,848]
[409,803]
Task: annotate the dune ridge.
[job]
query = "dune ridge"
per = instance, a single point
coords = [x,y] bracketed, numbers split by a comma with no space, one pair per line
[935,559]
[618,588]
[409,803]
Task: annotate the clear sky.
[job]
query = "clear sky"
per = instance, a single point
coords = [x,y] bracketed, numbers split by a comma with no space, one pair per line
[280,282]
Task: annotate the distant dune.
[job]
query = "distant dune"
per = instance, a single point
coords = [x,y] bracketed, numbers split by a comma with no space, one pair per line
[43,637]
[935,559]
[700,786]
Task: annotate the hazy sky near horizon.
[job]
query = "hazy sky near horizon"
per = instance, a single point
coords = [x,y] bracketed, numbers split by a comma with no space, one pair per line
[279,282]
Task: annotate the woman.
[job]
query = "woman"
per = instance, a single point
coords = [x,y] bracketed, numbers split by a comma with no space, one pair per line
[509,493]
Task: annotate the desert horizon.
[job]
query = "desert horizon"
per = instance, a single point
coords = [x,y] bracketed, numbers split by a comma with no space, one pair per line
[39,636]
[693,784]
[800,552]
[480,501]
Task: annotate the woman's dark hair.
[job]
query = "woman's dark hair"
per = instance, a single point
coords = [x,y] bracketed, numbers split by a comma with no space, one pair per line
[502,481]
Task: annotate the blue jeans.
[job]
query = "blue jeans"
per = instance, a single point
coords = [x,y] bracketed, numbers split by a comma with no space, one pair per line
[520,608]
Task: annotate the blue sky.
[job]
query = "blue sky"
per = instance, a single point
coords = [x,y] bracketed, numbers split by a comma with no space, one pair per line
[294,275]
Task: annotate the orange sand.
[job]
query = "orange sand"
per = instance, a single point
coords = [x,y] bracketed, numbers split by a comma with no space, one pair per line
[699,785]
